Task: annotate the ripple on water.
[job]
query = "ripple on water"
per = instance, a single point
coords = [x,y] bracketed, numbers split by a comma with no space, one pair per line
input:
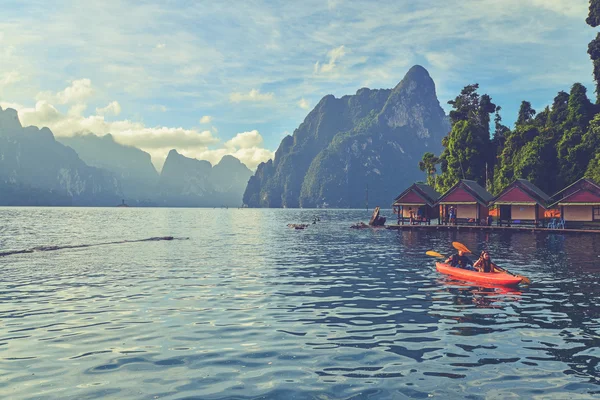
[247,308]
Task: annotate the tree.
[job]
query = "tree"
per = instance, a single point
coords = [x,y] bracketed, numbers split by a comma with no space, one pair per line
[572,156]
[526,113]
[594,52]
[593,169]
[428,165]
[593,18]
[467,148]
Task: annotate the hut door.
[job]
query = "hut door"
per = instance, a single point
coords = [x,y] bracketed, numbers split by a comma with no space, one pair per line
[505,213]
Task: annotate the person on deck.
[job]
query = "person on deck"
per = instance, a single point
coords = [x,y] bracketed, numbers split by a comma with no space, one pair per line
[452,214]
[485,264]
[460,260]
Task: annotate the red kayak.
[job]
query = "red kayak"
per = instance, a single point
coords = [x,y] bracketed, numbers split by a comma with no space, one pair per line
[492,278]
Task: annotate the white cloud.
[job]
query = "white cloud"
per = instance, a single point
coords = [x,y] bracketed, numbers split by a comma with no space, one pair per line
[571,8]
[158,107]
[254,95]
[245,140]
[8,78]
[303,104]
[332,4]
[334,56]
[124,131]
[443,60]
[79,91]
[161,46]
[206,119]
[113,108]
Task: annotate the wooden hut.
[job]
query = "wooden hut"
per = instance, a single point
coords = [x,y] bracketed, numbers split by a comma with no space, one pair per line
[418,202]
[467,202]
[579,203]
[521,203]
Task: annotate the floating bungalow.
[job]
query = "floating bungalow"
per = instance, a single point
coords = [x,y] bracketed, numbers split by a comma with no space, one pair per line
[579,204]
[466,202]
[417,204]
[521,203]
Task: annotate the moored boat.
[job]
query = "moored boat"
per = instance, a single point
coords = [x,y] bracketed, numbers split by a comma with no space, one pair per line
[493,278]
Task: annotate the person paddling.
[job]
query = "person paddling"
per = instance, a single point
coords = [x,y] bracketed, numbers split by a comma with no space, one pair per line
[485,264]
[460,260]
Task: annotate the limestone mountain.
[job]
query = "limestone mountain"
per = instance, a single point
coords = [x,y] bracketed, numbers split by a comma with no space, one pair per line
[374,138]
[35,169]
[196,183]
[132,166]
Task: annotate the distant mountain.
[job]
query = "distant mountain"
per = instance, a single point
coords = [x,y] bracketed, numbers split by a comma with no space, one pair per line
[196,183]
[229,179]
[374,138]
[131,165]
[35,169]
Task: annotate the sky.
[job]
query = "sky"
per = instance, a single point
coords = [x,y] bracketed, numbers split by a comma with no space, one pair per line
[210,78]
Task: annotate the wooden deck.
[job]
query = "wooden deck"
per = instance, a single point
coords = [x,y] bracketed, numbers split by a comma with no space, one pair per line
[490,228]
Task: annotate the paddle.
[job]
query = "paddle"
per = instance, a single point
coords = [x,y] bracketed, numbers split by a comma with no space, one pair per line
[434,254]
[462,247]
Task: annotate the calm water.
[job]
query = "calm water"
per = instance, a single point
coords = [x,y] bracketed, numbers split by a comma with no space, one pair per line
[240,306]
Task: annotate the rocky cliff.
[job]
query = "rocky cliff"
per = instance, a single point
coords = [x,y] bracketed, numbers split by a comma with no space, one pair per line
[132,166]
[36,169]
[196,183]
[374,138]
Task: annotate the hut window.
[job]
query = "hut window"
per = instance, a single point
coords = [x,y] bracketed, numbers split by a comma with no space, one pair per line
[596,213]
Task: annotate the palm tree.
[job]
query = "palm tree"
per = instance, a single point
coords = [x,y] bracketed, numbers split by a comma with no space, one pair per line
[427,165]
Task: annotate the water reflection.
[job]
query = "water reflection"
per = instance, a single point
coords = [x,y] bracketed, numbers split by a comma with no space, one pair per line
[248,308]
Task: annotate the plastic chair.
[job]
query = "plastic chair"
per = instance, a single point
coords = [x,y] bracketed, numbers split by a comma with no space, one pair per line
[552,224]
[560,224]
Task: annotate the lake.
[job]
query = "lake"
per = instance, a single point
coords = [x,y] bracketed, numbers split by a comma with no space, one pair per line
[240,306]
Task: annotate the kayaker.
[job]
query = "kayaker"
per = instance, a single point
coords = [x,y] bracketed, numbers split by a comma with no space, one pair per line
[485,264]
[460,260]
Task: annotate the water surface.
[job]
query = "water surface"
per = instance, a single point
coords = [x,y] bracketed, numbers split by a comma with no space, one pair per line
[240,306]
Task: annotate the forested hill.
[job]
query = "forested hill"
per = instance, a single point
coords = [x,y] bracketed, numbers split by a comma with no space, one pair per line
[551,148]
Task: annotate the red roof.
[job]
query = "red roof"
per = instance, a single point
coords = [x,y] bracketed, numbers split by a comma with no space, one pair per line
[583,191]
[458,195]
[466,191]
[410,197]
[581,196]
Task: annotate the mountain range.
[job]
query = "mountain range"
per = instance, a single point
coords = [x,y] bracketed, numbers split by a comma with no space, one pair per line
[367,144]
[88,170]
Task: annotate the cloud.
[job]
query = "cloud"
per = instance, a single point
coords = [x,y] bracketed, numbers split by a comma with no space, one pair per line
[113,108]
[158,107]
[206,119]
[334,56]
[157,140]
[245,146]
[79,91]
[443,60]
[303,104]
[254,96]
[245,140]
[571,8]
[9,78]
[124,131]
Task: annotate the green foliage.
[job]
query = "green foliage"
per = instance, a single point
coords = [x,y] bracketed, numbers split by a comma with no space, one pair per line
[593,18]
[468,148]
[593,169]
[551,149]
[526,113]
[428,165]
